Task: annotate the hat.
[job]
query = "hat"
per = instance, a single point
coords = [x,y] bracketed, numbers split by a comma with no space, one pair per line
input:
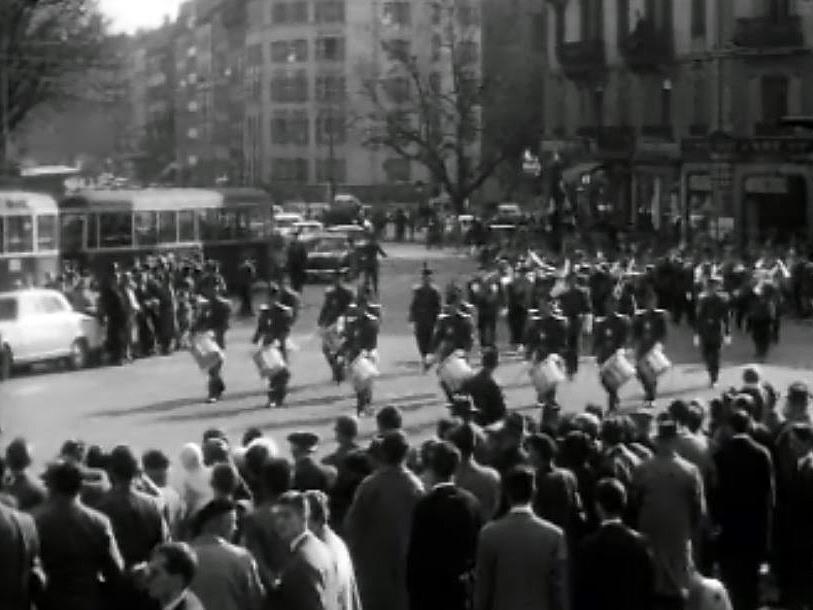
[798,391]
[667,427]
[307,441]
[426,270]
[462,406]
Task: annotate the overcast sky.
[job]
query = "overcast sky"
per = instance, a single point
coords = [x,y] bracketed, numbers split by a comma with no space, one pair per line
[129,15]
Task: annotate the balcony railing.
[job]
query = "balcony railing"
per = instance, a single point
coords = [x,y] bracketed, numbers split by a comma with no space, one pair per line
[767,32]
[582,58]
[657,132]
[646,48]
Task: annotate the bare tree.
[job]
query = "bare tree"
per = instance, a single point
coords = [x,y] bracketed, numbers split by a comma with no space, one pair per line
[428,108]
[47,48]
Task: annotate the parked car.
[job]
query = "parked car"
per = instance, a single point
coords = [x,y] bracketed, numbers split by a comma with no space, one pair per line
[284,223]
[508,214]
[327,253]
[38,325]
[307,228]
[355,232]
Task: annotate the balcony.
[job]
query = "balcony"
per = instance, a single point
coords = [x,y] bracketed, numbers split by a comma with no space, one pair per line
[657,132]
[581,59]
[647,49]
[769,33]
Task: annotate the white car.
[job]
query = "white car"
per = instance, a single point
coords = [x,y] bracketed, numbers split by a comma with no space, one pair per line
[38,325]
[284,223]
[308,227]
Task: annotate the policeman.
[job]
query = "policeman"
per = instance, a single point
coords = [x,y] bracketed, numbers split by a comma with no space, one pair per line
[273,327]
[762,320]
[423,313]
[368,253]
[648,329]
[546,335]
[518,296]
[361,338]
[575,305]
[712,326]
[338,298]
[610,334]
[486,296]
[308,473]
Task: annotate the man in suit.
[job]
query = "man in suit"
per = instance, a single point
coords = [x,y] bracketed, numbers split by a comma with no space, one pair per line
[19,559]
[483,482]
[521,559]
[485,392]
[614,568]
[309,580]
[443,540]
[168,576]
[297,262]
[576,306]
[424,311]
[742,505]
[29,492]
[712,326]
[308,473]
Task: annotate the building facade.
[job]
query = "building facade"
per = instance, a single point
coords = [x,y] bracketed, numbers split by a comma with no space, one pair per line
[678,104]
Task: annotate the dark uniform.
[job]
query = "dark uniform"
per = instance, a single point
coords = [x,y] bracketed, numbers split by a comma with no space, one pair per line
[361,334]
[575,305]
[518,297]
[274,325]
[545,335]
[296,259]
[454,331]
[763,319]
[712,325]
[610,334]
[486,296]
[368,254]
[423,313]
[290,298]
[648,328]
[247,274]
[337,300]
[214,316]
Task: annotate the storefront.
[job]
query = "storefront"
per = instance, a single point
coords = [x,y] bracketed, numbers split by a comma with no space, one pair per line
[655,188]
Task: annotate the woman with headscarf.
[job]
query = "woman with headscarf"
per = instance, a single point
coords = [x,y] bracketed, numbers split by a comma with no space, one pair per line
[196,490]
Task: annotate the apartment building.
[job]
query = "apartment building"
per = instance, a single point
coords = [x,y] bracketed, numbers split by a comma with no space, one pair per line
[673,107]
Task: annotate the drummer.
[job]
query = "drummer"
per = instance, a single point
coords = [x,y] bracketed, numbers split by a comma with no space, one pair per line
[610,334]
[207,321]
[648,329]
[338,298]
[454,331]
[273,327]
[576,307]
[361,340]
[546,335]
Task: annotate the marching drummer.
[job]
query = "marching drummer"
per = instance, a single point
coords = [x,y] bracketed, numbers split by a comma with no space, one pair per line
[289,297]
[423,313]
[213,316]
[454,331]
[648,331]
[712,326]
[545,336]
[610,334]
[361,341]
[273,326]
[338,298]
[575,305]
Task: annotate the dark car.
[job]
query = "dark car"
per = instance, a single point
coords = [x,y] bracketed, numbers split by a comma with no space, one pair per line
[327,252]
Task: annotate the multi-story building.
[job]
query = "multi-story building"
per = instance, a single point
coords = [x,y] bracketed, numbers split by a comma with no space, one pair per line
[307,65]
[678,103]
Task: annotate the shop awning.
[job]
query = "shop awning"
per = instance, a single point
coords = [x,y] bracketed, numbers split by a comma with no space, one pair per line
[575,172]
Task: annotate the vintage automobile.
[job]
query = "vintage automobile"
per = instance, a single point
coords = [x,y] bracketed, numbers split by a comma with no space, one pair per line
[284,223]
[306,228]
[39,325]
[327,253]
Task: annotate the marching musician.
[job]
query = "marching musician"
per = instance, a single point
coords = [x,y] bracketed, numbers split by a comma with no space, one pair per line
[610,334]
[762,320]
[338,298]
[423,313]
[289,297]
[454,330]
[712,326]
[648,330]
[361,338]
[273,327]
[546,335]
[575,305]
[518,296]
[213,315]
[485,294]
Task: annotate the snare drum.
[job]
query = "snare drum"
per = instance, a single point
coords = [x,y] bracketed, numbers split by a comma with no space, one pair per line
[362,372]
[206,351]
[617,370]
[454,371]
[654,363]
[332,338]
[547,374]
[269,361]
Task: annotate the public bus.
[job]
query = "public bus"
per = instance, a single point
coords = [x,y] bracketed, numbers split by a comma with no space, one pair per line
[100,227]
[29,246]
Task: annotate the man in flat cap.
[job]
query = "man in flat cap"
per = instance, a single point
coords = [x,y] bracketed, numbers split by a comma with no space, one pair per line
[309,473]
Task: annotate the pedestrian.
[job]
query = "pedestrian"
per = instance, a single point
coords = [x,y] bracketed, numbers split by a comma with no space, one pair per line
[27,490]
[169,574]
[486,393]
[483,482]
[247,275]
[297,262]
[648,332]
[21,577]
[308,472]
[611,333]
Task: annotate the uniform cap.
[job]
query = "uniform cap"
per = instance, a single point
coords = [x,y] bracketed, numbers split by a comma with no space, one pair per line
[304,440]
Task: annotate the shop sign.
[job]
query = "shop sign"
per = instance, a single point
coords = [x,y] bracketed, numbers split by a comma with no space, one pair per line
[766,185]
[747,147]
[13,204]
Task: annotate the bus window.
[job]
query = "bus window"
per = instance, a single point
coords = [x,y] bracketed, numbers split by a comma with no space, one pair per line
[146,228]
[241,225]
[256,223]
[2,235]
[116,229]
[186,225]
[46,232]
[70,233]
[19,234]
[209,225]
[93,230]
[167,227]
[227,225]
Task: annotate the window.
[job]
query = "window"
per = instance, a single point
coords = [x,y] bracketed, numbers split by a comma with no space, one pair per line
[698,18]
[289,170]
[279,128]
[93,230]
[435,83]
[299,130]
[254,55]
[700,99]
[398,49]
[437,45]
[289,51]
[623,8]
[186,225]
[330,49]
[292,13]
[467,15]
[774,98]
[298,12]
[19,234]
[329,11]
[167,227]
[115,229]
[146,228]
[71,229]
[46,233]
[436,13]
[467,52]
[666,102]
[51,305]
[331,88]
[590,12]
[331,170]
[396,13]
[598,107]
[397,89]
[398,170]
[290,86]
[779,10]
[331,127]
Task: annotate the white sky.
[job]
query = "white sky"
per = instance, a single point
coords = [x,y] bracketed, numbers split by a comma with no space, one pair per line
[129,15]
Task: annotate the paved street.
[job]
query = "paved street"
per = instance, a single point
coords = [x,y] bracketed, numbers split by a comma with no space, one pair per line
[157,402]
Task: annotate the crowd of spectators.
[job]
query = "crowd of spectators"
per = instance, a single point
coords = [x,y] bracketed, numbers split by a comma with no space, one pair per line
[702,506]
